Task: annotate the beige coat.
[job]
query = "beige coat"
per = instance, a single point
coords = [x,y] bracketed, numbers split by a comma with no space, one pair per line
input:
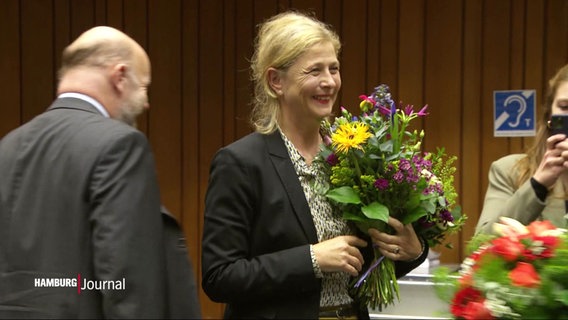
[504,199]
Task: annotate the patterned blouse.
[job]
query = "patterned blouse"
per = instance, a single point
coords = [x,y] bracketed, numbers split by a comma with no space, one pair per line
[328,223]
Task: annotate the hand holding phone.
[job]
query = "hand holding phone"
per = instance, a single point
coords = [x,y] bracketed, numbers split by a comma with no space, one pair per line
[559,124]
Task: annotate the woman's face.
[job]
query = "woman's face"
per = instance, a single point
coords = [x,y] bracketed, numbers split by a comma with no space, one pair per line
[310,85]
[560,103]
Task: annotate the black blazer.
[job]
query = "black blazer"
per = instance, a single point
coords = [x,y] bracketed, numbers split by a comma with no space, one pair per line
[257,232]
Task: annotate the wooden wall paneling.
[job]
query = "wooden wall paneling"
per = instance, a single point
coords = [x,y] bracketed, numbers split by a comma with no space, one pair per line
[211,116]
[164,130]
[245,31]
[373,46]
[114,13]
[354,57]
[82,15]
[411,53]
[388,44]
[10,63]
[264,9]
[315,6]
[556,26]
[37,62]
[192,207]
[517,57]
[442,83]
[495,76]
[100,12]
[229,66]
[534,77]
[332,14]
[61,32]
[470,156]
[134,18]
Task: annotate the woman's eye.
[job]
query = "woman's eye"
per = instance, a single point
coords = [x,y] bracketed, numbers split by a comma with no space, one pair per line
[334,70]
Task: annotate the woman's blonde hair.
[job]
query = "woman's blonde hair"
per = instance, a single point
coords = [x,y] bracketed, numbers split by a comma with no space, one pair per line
[280,41]
[528,165]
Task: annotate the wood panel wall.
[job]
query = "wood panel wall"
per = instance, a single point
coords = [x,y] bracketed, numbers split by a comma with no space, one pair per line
[450,54]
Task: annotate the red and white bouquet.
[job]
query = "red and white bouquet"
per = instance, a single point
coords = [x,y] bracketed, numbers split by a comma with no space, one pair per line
[518,273]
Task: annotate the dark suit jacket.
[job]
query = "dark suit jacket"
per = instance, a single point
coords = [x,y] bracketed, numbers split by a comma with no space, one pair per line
[257,231]
[183,302]
[79,196]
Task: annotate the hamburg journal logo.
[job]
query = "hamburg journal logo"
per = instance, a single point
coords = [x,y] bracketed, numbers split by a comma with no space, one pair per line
[81,284]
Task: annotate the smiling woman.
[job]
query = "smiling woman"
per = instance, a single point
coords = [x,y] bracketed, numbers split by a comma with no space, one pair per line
[273,245]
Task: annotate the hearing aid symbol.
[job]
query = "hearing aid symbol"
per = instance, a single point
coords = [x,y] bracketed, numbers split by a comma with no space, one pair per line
[514,112]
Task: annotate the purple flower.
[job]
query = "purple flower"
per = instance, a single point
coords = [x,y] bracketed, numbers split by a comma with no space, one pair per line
[412,178]
[332,159]
[393,110]
[381,184]
[382,96]
[398,177]
[327,140]
[446,216]
[425,223]
[404,165]
[422,111]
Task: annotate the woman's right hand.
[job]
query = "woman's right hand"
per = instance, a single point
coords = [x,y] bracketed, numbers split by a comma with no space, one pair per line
[554,162]
[340,254]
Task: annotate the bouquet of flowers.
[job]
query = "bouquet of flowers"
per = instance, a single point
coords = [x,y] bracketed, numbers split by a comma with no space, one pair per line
[376,169]
[519,273]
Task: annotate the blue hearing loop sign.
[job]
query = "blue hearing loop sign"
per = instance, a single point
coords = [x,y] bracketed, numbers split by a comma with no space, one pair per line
[514,113]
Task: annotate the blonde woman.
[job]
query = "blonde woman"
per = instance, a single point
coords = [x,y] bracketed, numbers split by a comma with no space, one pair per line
[272,246]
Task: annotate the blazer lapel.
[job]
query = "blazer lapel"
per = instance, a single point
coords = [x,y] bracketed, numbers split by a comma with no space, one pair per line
[289,178]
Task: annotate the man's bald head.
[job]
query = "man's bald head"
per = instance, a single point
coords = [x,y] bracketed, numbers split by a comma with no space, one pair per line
[109,66]
[97,47]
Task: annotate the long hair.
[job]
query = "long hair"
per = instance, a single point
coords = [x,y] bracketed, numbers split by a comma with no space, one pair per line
[280,41]
[528,165]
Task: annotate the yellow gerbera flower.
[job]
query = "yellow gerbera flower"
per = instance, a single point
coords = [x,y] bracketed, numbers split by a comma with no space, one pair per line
[350,135]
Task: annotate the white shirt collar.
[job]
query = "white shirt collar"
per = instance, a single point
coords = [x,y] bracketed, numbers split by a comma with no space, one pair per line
[86,98]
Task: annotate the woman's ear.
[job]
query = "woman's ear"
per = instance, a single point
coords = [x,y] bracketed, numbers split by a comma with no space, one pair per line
[275,80]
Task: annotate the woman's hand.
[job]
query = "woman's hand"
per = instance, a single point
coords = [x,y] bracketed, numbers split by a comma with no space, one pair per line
[554,162]
[404,245]
[340,254]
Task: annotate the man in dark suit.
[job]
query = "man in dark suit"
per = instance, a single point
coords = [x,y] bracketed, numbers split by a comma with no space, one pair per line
[81,235]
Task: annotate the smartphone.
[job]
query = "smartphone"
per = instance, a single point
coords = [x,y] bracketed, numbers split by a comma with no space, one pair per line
[559,124]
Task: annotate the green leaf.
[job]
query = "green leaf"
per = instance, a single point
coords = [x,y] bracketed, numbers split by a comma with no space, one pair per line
[430,205]
[413,201]
[344,194]
[353,217]
[414,215]
[376,211]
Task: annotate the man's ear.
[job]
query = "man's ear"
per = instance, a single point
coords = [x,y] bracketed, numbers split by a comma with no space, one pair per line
[118,76]
[275,80]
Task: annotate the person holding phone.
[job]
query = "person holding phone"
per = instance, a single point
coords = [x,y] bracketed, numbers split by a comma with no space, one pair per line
[534,186]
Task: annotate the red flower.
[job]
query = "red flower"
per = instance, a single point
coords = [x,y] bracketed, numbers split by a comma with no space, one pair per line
[537,228]
[476,310]
[524,275]
[462,298]
[541,247]
[507,248]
